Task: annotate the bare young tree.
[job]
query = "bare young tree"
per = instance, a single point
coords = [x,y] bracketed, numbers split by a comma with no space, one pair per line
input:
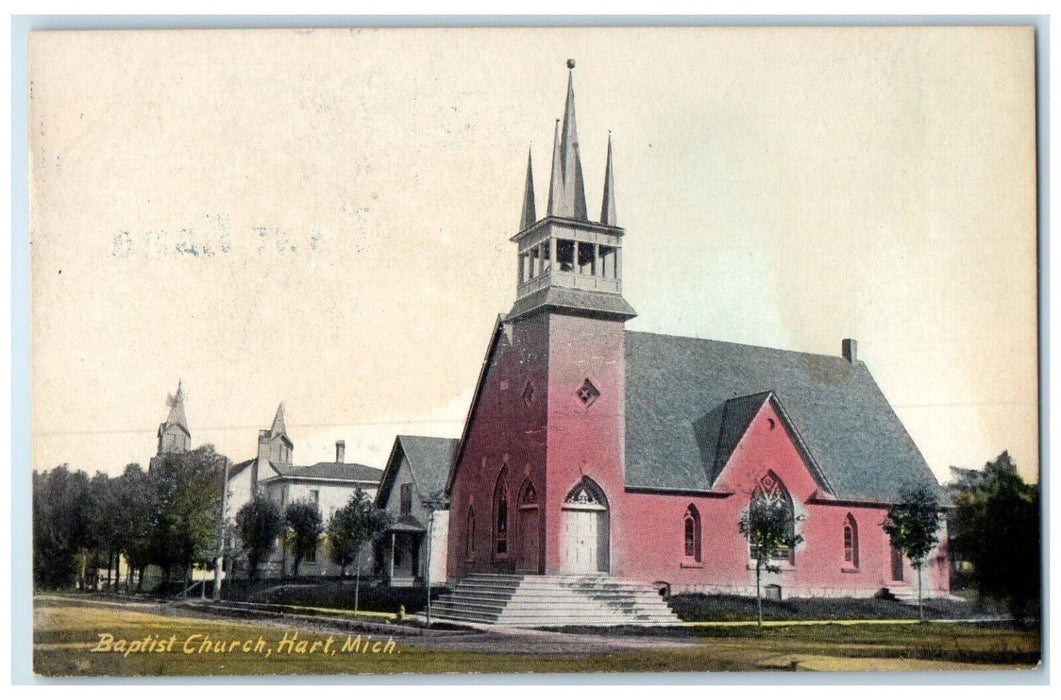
[913,526]
[769,526]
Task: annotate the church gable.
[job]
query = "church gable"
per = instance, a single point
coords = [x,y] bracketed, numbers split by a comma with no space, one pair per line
[489,367]
[757,443]
[678,391]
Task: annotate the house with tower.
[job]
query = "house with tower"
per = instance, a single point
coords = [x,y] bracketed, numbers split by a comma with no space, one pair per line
[272,472]
[591,450]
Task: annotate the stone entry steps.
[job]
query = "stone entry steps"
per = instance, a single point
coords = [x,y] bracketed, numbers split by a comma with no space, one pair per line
[553,601]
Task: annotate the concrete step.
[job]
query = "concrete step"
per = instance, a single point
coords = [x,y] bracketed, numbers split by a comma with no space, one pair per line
[554,600]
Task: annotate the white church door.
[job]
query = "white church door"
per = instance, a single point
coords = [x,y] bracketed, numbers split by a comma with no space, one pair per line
[585,530]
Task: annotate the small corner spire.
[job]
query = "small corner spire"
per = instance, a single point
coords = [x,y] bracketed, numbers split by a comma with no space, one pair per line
[529,216]
[607,209]
[556,180]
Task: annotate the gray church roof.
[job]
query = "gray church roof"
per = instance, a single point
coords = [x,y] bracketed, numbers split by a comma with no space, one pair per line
[688,401]
[601,303]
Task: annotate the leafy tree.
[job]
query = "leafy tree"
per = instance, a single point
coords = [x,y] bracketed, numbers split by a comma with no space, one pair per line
[913,528]
[258,523]
[102,538]
[135,519]
[998,532]
[769,526]
[188,503]
[349,528]
[59,527]
[304,521]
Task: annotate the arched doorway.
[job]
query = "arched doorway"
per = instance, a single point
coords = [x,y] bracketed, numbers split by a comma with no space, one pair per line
[585,533]
[529,556]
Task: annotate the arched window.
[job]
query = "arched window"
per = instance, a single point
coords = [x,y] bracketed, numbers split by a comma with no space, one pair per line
[850,542]
[501,513]
[692,533]
[469,542]
[586,494]
[771,495]
[529,499]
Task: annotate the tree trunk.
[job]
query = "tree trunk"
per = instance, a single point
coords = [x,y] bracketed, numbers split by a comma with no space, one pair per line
[758,590]
[357,578]
[283,559]
[920,609]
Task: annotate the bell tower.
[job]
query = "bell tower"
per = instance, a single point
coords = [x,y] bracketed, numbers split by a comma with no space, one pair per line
[566,261]
[569,321]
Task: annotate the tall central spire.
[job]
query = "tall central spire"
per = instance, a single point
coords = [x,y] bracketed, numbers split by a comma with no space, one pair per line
[567,197]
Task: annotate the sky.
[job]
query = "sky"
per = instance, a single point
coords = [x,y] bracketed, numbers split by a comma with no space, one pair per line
[322,217]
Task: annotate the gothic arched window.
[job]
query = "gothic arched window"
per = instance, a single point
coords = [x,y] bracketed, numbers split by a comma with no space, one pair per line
[501,513]
[692,533]
[529,499]
[469,542]
[770,494]
[850,542]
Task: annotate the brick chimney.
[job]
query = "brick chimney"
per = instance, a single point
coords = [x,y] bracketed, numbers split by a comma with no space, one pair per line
[340,450]
[849,349]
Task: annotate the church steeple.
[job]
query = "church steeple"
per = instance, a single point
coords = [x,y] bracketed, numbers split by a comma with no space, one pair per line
[173,434]
[566,261]
[279,427]
[607,209]
[529,216]
[274,445]
[567,163]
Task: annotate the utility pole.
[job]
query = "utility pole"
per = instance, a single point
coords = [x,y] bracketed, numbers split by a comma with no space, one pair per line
[220,536]
[432,505]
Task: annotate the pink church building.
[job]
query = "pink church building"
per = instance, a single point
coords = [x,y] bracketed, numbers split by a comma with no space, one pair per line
[593,449]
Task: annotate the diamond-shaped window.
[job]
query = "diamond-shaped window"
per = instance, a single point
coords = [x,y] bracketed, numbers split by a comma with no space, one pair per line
[587,393]
[528,394]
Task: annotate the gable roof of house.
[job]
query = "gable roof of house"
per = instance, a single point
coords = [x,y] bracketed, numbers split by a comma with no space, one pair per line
[430,459]
[334,471]
[239,467]
[689,400]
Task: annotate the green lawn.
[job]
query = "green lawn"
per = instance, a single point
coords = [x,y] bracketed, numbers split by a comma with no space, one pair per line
[66,631]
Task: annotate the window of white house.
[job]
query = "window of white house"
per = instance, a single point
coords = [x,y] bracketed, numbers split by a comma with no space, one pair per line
[315,496]
[407,499]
